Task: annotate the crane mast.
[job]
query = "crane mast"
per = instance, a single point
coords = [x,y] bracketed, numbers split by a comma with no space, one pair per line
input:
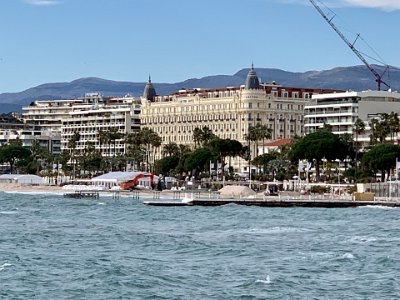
[378,77]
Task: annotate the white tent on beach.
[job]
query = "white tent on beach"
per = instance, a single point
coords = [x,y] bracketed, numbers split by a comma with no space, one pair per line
[112,179]
[21,179]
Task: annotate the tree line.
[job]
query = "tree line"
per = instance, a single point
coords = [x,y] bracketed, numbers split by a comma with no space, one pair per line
[321,148]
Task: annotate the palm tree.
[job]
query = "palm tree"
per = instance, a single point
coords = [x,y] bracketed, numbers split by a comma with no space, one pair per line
[151,140]
[197,136]
[257,133]
[37,153]
[72,143]
[206,135]
[358,128]
[171,149]
[262,133]
[112,136]
[134,151]
[394,125]
[103,138]
[380,128]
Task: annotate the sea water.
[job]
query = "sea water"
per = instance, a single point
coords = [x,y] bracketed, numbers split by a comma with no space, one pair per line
[57,248]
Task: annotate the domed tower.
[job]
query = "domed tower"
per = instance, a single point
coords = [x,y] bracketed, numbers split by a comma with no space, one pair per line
[149,91]
[252,82]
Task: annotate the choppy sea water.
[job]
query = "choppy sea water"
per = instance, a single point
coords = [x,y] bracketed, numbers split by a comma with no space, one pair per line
[56,248]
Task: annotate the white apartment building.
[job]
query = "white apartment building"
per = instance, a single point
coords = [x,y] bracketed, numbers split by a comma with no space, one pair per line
[340,110]
[121,114]
[228,112]
[87,115]
[47,114]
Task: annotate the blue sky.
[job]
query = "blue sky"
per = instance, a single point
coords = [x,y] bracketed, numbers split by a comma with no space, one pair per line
[62,40]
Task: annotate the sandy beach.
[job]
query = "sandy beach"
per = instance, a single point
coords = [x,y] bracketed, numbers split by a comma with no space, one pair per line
[24,188]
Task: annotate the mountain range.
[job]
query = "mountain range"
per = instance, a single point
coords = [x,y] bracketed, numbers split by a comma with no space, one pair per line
[356,78]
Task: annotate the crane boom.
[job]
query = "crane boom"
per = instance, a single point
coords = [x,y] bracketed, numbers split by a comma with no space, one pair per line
[378,77]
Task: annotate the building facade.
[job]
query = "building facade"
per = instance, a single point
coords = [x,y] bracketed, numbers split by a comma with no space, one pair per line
[117,114]
[340,110]
[228,112]
[27,134]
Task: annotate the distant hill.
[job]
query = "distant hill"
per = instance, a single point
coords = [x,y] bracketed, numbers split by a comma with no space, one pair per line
[356,78]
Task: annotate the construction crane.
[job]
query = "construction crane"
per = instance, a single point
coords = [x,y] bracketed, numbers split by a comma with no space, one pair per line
[378,77]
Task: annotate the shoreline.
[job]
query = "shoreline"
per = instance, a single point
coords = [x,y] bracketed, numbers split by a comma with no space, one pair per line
[168,195]
[24,188]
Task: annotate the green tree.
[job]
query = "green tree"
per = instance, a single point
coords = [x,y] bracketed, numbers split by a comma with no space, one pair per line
[381,158]
[279,168]
[91,160]
[135,151]
[103,139]
[166,165]
[113,135]
[40,157]
[12,153]
[258,133]
[72,143]
[198,160]
[316,146]
[394,125]
[171,149]
[263,160]
[197,137]
[225,148]
[380,129]
[151,141]
[358,128]
[202,136]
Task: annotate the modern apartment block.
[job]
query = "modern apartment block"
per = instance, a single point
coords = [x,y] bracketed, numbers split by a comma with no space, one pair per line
[340,110]
[120,114]
[59,119]
[47,114]
[27,134]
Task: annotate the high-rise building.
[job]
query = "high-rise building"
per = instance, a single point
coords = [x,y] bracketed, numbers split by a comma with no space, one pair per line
[116,114]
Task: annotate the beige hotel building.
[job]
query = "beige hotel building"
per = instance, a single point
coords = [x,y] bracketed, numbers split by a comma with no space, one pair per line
[228,112]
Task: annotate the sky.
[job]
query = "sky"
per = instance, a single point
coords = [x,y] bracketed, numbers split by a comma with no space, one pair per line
[43,41]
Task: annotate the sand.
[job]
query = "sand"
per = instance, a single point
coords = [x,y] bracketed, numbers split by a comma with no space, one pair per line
[25,188]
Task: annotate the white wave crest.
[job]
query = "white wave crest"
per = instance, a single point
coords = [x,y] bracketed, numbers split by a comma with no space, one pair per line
[380,207]
[347,256]
[277,229]
[362,239]
[267,280]
[5,265]
[6,212]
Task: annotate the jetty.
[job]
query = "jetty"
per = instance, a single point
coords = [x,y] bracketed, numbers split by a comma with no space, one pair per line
[82,194]
[325,203]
